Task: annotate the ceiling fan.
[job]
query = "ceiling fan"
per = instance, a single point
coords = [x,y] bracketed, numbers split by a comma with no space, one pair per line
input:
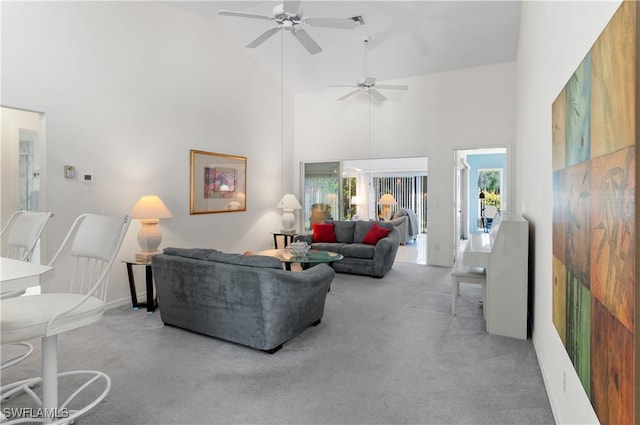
[368,84]
[288,16]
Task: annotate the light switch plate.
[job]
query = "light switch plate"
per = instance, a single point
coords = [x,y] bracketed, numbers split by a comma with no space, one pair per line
[69,171]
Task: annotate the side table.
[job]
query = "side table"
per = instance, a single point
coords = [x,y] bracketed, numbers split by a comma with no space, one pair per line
[288,238]
[151,303]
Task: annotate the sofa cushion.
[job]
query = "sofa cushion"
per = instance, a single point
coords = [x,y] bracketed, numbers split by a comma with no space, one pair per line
[363,227]
[245,260]
[325,246]
[375,234]
[343,230]
[358,250]
[324,232]
[197,253]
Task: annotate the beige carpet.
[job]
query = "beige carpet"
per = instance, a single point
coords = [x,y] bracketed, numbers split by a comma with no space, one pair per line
[387,351]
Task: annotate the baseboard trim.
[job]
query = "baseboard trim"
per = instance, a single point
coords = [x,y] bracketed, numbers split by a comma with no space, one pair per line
[122,302]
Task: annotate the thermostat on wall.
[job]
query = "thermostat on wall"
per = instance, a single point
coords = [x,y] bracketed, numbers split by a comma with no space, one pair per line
[86,177]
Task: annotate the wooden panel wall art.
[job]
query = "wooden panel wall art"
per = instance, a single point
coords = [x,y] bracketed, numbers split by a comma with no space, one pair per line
[595,132]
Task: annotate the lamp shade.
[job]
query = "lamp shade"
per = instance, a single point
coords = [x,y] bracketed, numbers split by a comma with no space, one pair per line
[289,202]
[150,207]
[387,199]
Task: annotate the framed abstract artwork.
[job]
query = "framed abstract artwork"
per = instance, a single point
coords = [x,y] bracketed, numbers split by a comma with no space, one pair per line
[594,146]
[218,183]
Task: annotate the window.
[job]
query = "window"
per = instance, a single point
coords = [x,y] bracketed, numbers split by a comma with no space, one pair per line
[409,191]
[321,192]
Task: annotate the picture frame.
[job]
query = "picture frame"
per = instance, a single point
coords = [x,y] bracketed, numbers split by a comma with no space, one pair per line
[218,182]
[594,245]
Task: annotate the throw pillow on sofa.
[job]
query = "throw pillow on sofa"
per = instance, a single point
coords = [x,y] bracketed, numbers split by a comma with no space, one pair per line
[343,230]
[324,233]
[375,234]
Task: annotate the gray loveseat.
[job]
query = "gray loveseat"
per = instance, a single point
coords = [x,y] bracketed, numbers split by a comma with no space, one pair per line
[248,300]
[359,258]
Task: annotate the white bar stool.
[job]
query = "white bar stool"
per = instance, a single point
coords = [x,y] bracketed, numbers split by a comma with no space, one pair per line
[91,244]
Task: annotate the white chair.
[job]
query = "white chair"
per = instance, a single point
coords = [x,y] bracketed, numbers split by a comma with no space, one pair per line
[462,273]
[19,237]
[21,234]
[466,274]
[92,244]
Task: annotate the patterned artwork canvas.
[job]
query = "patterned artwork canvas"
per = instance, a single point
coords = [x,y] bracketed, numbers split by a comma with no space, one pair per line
[594,174]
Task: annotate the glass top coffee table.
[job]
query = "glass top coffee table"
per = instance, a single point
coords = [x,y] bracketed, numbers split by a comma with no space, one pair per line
[311,258]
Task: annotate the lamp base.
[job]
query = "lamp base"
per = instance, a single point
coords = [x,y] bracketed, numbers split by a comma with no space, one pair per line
[386,212]
[145,257]
[288,219]
[288,231]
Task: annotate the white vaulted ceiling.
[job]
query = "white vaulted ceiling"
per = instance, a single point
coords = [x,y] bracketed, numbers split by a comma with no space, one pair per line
[408,38]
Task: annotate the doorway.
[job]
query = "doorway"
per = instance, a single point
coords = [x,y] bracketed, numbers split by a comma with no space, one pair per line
[481,189]
[352,189]
[29,170]
[23,148]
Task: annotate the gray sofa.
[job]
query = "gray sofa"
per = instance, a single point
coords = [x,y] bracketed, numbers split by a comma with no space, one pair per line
[406,221]
[359,258]
[249,300]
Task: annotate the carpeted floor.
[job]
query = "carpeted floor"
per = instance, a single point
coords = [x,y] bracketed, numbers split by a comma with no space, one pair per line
[387,351]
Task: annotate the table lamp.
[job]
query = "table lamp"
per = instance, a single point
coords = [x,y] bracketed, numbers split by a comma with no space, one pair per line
[149,210]
[288,203]
[386,201]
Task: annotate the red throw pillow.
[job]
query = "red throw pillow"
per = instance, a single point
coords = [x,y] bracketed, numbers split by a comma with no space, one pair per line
[375,234]
[324,232]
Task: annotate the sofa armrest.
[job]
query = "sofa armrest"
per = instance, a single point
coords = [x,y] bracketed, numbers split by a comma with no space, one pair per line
[398,220]
[385,252]
[402,224]
[383,246]
[292,301]
[320,275]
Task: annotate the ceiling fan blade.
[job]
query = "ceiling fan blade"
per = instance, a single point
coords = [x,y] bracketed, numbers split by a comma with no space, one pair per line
[339,23]
[291,6]
[243,15]
[342,85]
[392,86]
[351,93]
[377,95]
[263,37]
[305,39]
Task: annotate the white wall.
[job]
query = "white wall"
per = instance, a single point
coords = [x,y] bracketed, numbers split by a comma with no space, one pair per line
[439,113]
[554,38]
[128,88]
